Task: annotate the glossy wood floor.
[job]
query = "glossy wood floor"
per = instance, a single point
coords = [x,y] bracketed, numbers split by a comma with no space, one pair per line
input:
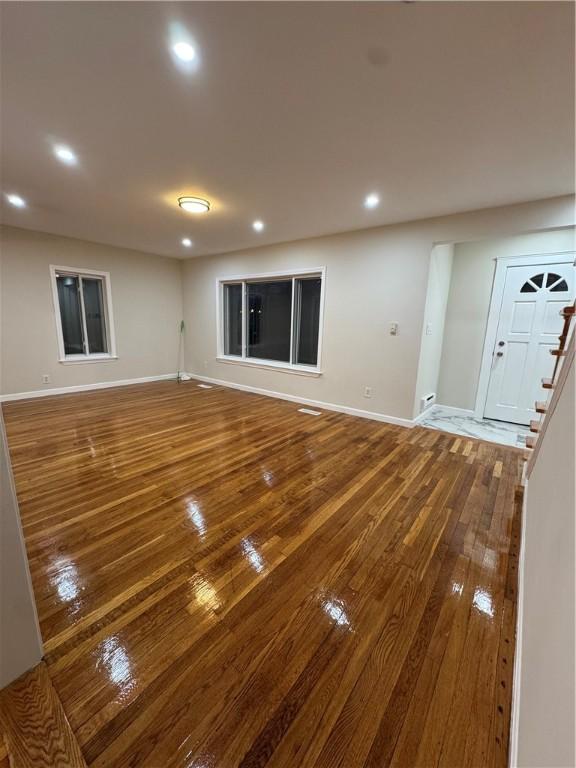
[34,730]
[224,581]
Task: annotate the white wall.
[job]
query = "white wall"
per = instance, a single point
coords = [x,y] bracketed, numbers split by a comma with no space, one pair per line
[545,713]
[434,318]
[20,642]
[146,297]
[373,277]
[469,302]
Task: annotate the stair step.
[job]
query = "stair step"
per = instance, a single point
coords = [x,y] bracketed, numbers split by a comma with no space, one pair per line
[535,425]
[541,407]
[547,384]
[530,441]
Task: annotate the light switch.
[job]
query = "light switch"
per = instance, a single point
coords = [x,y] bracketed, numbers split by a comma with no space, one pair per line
[393,329]
[428,329]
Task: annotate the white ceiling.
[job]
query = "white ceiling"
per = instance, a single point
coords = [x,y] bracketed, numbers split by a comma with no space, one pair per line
[295,112]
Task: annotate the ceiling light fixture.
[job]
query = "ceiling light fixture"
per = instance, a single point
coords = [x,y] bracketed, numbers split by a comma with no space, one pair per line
[194,204]
[258,225]
[16,201]
[65,154]
[372,200]
[184,51]
[186,242]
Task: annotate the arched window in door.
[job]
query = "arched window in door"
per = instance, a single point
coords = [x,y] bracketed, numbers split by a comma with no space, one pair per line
[554,283]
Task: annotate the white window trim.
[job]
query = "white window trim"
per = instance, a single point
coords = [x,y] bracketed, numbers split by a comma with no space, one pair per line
[303,370]
[109,317]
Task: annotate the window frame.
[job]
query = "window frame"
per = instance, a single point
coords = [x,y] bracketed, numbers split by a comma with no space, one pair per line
[262,277]
[86,357]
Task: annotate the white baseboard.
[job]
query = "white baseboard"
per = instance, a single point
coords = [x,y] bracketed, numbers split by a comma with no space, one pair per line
[450,410]
[245,388]
[83,387]
[515,714]
[307,401]
[421,416]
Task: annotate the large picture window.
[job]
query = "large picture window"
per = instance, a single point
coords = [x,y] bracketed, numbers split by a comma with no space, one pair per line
[272,319]
[83,307]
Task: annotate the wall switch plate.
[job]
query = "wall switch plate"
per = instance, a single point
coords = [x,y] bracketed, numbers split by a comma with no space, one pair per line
[45,378]
[367,391]
[428,329]
[393,329]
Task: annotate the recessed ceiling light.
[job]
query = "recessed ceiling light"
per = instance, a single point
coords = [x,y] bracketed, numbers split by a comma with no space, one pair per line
[194,204]
[184,51]
[258,225]
[372,200]
[16,200]
[65,154]
[186,242]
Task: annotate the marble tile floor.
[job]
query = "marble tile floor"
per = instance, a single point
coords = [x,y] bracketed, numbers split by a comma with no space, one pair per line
[484,429]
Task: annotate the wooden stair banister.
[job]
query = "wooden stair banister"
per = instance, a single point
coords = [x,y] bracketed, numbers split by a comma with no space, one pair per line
[564,354]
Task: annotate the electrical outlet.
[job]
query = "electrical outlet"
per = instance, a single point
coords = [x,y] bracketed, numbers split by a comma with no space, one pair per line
[45,378]
[367,391]
[428,329]
[393,329]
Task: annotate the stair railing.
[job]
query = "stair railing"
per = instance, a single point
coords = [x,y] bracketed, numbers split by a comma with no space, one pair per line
[564,354]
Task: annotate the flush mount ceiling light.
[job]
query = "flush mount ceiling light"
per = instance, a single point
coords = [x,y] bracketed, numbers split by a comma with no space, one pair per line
[184,51]
[16,201]
[258,225]
[187,243]
[65,154]
[372,200]
[194,204]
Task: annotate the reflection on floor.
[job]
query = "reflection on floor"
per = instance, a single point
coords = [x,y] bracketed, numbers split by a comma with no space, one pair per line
[484,429]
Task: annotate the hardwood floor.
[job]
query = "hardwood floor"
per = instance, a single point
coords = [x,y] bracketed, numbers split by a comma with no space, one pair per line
[35,731]
[224,581]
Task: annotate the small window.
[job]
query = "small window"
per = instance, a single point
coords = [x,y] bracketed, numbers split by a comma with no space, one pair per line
[83,314]
[538,280]
[233,319]
[273,320]
[553,281]
[308,291]
[561,286]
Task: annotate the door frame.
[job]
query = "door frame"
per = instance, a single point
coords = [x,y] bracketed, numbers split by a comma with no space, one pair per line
[502,264]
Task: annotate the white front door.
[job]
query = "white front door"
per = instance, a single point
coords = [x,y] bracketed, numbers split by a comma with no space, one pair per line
[528,329]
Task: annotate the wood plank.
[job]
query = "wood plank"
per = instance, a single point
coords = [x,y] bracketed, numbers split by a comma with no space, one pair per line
[34,725]
[222,580]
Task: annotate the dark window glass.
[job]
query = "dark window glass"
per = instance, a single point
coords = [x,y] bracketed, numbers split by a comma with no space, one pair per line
[527,288]
[538,280]
[269,315]
[561,286]
[70,314]
[551,279]
[307,319]
[94,310]
[233,319]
